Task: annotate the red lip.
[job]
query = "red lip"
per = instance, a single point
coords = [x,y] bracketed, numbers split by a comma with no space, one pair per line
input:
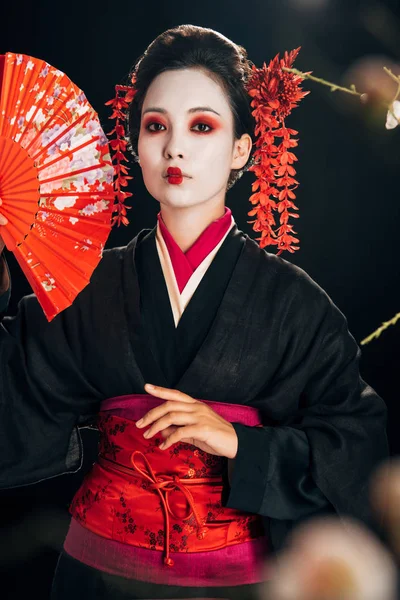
[174,172]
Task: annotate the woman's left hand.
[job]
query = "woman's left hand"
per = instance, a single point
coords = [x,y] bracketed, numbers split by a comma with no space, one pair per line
[183,419]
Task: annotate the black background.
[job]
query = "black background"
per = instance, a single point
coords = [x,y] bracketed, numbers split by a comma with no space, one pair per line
[348,199]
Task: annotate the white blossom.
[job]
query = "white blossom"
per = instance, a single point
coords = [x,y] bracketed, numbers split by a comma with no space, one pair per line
[393,115]
[328,558]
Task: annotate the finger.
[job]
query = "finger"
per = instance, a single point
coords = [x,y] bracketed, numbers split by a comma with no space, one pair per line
[172,418]
[159,411]
[168,393]
[166,432]
[189,433]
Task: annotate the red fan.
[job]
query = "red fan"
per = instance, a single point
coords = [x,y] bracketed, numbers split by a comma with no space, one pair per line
[56,179]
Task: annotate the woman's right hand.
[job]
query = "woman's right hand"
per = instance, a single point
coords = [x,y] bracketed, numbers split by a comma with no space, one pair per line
[3,221]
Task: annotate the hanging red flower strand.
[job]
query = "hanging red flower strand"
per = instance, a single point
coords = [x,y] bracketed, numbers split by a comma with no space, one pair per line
[274,93]
[123,97]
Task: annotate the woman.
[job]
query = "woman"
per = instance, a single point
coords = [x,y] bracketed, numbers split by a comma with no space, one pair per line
[259,400]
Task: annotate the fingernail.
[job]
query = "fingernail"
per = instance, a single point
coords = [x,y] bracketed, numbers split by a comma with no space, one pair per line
[139,423]
[151,387]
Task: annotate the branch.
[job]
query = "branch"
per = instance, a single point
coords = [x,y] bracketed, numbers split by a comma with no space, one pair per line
[352,90]
[380,329]
[333,86]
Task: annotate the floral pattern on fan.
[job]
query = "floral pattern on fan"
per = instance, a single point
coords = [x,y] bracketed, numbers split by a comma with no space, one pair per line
[59,198]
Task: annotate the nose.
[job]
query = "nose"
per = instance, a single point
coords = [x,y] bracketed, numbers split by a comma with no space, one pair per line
[174,146]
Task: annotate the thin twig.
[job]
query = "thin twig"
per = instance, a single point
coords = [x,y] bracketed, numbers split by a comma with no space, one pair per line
[352,90]
[380,329]
[396,78]
[333,86]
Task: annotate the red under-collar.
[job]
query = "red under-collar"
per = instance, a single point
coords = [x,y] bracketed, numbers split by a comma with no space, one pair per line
[185,263]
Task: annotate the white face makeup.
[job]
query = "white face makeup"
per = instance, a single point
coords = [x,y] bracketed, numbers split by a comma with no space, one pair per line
[186,122]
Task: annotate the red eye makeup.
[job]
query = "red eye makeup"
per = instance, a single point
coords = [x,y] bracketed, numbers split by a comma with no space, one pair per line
[210,123]
[213,124]
[153,121]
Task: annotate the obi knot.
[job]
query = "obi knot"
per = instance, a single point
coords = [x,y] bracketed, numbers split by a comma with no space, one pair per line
[163,486]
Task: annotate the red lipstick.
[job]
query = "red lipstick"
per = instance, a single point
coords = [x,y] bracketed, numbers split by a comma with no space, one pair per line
[174,175]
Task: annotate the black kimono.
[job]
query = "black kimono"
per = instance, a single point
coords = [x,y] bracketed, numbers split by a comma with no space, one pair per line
[258,331]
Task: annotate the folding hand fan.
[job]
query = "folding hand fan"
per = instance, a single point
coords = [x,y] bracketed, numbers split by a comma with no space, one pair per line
[56,179]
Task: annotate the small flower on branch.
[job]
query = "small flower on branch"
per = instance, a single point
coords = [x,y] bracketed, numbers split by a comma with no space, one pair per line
[393,115]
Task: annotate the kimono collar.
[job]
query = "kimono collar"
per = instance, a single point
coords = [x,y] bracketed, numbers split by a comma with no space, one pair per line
[185,263]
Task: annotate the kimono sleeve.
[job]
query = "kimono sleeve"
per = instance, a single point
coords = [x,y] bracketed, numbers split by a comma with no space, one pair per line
[322,455]
[43,391]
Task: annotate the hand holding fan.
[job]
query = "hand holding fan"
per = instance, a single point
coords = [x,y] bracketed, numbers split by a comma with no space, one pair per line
[56,179]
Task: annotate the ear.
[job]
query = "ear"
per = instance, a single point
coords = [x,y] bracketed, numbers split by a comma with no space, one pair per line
[241,151]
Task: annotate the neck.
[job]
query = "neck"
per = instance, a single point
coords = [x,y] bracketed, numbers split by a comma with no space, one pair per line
[187,224]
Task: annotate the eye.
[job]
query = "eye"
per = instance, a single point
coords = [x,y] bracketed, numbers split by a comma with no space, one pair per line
[202,125]
[150,125]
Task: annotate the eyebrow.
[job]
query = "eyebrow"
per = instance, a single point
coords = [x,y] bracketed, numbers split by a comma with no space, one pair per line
[191,110]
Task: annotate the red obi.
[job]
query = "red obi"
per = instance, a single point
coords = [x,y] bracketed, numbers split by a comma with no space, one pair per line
[165,500]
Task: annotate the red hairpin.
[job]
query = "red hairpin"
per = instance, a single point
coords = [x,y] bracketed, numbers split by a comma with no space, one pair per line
[120,105]
[274,93]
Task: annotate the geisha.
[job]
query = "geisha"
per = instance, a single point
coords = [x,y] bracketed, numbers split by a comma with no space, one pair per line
[256,416]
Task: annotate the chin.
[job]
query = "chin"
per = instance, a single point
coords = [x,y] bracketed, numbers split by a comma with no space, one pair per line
[176,200]
[177,205]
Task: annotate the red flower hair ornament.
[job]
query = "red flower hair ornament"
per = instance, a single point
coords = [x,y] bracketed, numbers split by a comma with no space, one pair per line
[124,94]
[274,92]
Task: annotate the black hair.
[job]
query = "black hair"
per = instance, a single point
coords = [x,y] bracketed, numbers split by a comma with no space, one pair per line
[190,46]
